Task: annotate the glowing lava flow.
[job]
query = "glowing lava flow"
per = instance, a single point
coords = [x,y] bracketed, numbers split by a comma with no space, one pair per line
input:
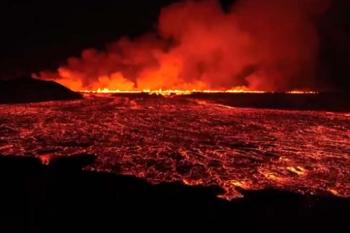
[300,92]
[165,92]
[189,140]
[186,92]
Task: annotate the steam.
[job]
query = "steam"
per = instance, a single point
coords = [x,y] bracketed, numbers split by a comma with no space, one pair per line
[257,44]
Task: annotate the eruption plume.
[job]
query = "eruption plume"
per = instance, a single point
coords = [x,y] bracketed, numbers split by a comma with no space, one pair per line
[258,45]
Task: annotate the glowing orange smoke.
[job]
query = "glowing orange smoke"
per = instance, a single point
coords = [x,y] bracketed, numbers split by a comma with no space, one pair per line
[267,45]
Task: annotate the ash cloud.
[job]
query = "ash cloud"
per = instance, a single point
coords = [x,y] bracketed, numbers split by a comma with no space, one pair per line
[256,44]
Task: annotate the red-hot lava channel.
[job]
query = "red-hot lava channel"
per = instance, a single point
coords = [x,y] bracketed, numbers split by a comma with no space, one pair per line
[197,142]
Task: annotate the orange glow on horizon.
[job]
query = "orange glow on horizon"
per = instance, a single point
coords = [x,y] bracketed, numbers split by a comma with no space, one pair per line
[166,92]
[199,46]
[186,92]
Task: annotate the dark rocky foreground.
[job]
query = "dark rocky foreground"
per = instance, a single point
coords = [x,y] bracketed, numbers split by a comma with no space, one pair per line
[62,198]
[28,90]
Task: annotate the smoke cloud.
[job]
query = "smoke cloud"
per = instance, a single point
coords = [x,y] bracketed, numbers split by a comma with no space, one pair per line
[255,44]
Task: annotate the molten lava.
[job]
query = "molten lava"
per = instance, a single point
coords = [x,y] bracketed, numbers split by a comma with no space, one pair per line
[174,92]
[189,140]
[187,92]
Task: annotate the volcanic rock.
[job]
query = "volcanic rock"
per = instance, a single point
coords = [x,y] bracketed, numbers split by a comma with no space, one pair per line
[26,90]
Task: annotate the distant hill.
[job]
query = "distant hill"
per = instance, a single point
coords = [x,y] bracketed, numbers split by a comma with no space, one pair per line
[26,90]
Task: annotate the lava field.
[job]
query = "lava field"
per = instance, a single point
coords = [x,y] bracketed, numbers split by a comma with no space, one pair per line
[189,140]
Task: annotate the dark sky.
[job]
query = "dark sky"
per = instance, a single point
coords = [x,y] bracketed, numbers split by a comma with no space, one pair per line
[37,34]
[41,34]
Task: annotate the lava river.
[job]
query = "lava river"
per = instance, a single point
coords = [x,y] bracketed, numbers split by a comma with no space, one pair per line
[197,142]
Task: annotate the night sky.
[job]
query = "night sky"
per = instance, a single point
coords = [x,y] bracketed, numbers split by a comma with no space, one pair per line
[38,34]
